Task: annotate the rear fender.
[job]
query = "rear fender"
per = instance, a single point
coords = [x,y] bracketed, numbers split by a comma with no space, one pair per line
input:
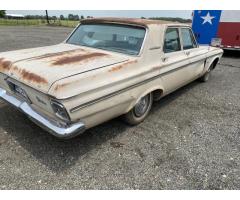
[142,94]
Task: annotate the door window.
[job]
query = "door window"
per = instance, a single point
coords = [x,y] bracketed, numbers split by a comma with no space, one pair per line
[171,41]
[188,39]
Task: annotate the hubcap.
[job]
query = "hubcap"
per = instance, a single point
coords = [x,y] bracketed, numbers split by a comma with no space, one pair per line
[141,106]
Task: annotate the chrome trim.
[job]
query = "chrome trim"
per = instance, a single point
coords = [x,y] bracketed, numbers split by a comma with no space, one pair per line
[57,129]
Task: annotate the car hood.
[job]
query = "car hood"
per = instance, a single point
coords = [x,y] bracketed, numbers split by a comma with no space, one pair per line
[41,67]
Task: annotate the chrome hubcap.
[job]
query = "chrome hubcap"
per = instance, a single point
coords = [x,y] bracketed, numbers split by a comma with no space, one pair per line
[141,106]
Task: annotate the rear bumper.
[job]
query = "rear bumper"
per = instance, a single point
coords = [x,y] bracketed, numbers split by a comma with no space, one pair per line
[55,128]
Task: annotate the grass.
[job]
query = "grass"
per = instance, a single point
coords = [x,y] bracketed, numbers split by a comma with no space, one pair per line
[37,22]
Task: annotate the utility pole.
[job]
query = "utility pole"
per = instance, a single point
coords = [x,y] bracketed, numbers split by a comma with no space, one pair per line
[47,17]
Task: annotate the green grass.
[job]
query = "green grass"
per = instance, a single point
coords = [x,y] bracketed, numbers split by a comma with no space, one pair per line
[37,22]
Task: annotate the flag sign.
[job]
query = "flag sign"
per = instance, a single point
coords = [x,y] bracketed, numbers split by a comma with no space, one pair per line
[216,26]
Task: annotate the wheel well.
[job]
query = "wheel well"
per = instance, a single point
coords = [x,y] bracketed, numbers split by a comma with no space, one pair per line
[157,94]
[214,63]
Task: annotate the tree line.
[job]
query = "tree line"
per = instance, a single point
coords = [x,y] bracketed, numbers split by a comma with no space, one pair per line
[73,17]
[61,17]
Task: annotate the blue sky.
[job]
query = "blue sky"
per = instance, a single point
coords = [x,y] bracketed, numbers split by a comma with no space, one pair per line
[110,13]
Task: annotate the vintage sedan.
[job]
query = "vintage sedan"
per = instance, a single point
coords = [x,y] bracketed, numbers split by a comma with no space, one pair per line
[107,67]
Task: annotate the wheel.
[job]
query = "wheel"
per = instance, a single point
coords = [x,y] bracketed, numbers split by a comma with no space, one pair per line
[206,76]
[140,111]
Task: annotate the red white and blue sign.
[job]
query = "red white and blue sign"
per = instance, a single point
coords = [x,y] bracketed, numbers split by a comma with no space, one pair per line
[224,25]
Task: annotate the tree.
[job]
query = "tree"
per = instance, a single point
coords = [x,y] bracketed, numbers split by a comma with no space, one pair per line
[70,17]
[2,13]
[62,17]
[82,17]
[76,17]
[54,17]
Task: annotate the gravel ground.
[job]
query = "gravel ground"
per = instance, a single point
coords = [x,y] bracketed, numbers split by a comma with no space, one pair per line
[191,140]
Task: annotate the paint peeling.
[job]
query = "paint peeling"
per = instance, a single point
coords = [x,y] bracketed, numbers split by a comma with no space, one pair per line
[59,87]
[31,77]
[62,53]
[118,67]
[5,65]
[78,58]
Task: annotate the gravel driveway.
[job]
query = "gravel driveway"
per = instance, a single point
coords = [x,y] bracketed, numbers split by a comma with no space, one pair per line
[191,140]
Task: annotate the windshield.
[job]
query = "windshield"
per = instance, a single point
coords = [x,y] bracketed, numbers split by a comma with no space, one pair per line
[117,38]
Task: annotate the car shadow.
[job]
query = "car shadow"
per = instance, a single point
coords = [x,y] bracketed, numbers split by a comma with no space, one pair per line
[58,155]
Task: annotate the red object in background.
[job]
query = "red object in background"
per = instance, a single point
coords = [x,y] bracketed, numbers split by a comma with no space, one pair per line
[229,32]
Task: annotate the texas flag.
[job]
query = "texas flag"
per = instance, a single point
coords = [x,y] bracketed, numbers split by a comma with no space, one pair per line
[205,25]
[216,24]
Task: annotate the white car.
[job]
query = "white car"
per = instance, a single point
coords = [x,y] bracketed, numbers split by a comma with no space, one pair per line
[106,68]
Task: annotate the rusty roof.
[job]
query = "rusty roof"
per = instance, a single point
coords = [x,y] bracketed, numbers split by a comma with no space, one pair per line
[132,21]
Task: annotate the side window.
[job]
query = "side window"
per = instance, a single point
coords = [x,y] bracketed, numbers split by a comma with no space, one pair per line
[188,39]
[171,41]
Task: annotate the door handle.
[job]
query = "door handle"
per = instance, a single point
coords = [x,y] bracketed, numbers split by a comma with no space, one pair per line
[188,53]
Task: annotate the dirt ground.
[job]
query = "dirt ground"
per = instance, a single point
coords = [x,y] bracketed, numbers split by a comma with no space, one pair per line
[191,139]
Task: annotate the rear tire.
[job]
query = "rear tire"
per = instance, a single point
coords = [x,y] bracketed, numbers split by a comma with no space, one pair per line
[140,111]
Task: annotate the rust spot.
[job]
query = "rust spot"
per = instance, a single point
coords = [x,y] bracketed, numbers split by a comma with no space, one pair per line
[63,85]
[62,53]
[29,76]
[58,87]
[118,67]
[15,68]
[77,58]
[25,75]
[5,65]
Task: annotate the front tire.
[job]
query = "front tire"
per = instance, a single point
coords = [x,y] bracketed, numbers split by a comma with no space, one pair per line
[207,75]
[140,111]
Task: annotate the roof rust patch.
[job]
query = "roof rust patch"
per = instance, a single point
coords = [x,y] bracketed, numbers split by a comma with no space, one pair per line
[5,65]
[78,58]
[62,53]
[29,76]
[133,21]
[118,67]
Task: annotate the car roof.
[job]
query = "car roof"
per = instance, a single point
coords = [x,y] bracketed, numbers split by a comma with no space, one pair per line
[131,21]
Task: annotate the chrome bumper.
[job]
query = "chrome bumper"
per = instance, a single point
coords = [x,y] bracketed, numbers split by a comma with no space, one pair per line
[66,131]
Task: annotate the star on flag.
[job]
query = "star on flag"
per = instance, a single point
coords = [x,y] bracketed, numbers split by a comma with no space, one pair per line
[208,18]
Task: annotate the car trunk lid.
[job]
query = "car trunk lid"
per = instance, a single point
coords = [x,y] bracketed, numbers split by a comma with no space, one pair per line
[41,67]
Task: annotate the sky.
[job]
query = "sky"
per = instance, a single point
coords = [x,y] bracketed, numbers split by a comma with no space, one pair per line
[186,14]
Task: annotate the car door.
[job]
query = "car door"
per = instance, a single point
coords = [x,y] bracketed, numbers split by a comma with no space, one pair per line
[196,54]
[174,61]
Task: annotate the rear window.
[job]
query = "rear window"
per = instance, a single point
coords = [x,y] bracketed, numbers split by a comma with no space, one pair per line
[117,38]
